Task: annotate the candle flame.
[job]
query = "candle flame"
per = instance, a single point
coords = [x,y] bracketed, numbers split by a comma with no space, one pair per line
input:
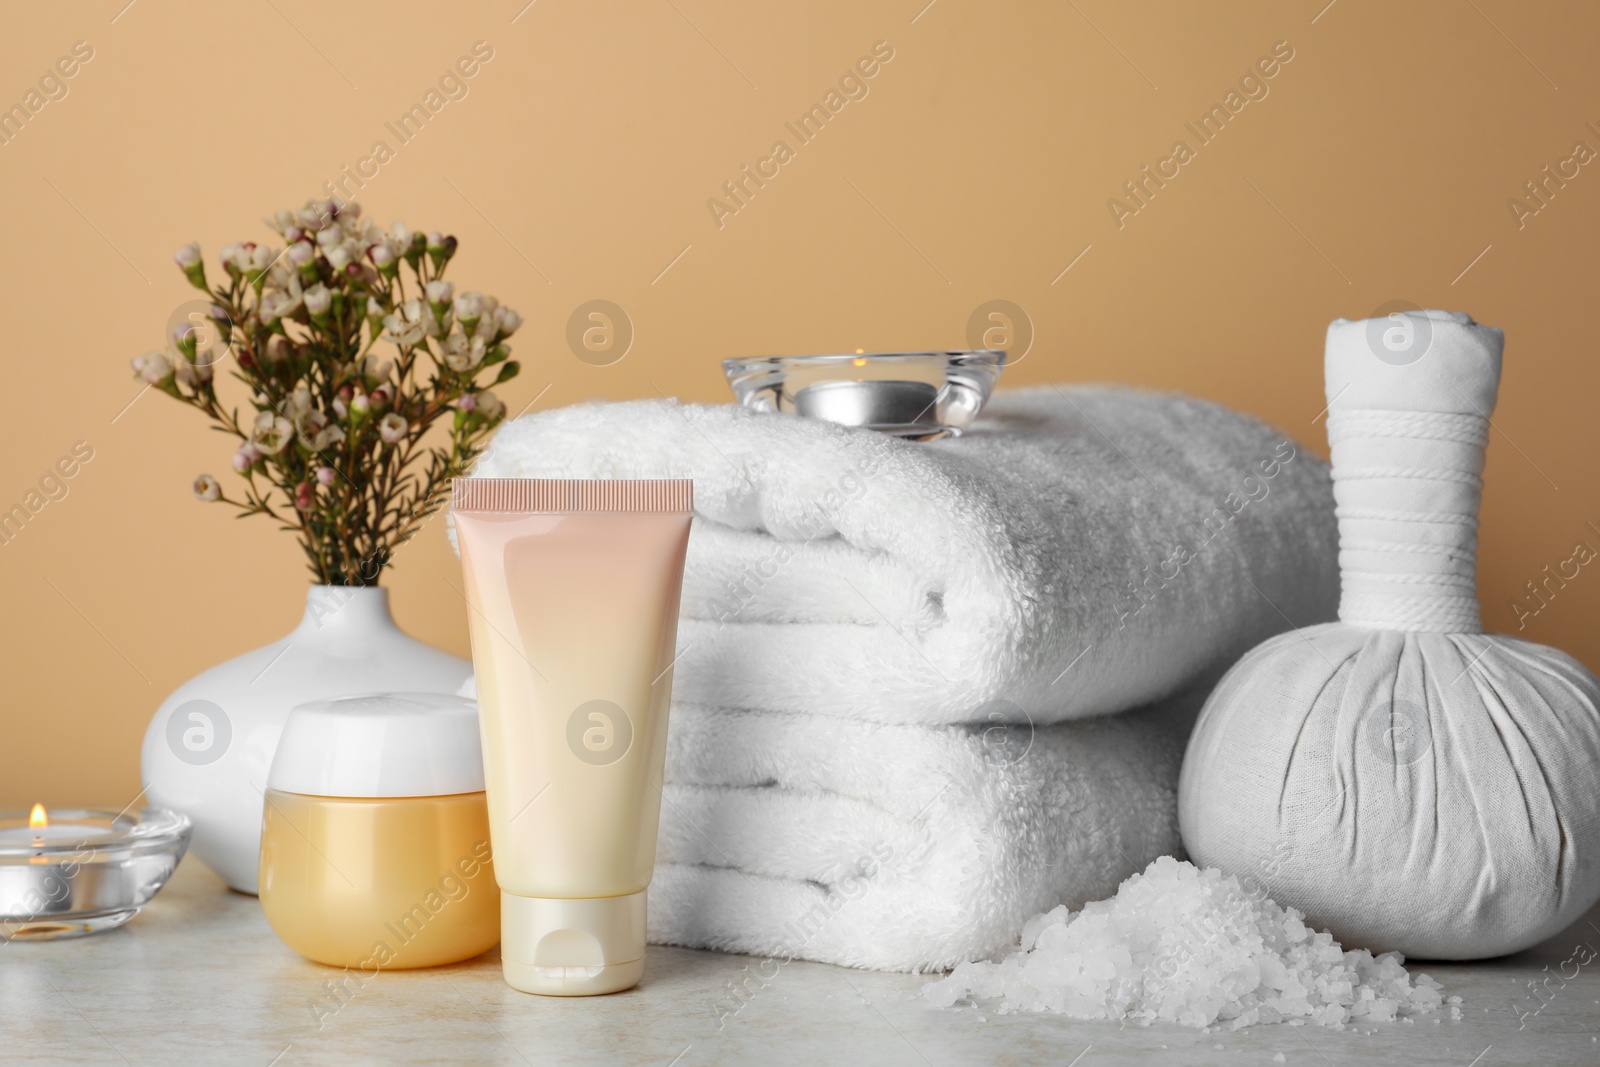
[858,362]
[38,819]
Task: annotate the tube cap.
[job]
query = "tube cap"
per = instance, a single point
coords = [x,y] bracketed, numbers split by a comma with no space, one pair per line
[572,948]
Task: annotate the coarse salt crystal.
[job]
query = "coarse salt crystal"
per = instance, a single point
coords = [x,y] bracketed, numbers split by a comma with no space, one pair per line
[1189,946]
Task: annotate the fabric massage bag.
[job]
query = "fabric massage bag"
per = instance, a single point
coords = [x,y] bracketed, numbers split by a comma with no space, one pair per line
[1406,780]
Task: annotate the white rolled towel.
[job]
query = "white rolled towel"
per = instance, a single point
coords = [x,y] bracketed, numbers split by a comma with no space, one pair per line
[902,847]
[1082,550]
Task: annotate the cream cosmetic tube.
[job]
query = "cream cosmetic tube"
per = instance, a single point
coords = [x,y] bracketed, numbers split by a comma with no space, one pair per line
[573,589]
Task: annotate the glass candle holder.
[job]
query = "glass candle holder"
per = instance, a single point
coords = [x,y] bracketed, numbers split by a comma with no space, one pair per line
[79,871]
[918,395]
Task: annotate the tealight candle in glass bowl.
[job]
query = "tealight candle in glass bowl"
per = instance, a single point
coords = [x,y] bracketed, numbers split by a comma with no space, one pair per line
[78,871]
[922,396]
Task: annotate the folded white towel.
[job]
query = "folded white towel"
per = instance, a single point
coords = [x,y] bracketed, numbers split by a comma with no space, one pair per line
[903,847]
[1082,550]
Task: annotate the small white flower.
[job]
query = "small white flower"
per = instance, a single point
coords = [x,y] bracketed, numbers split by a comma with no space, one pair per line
[489,325]
[314,215]
[359,404]
[261,257]
[246,457]
[382,256]
[278,305]
[282,220]
[419,319]
[298,402]
[206,488]
[330,235]
[188,256]
[301,253]
[435,241]
[238,256]
[350,212]
[410,325]
[391,428]
[441,292]
[326,438]
[401,235]
[272,432]
[153,368]
[507,321]
[325,475]
[469,307]
[318,299]
[463,355]
[490,406]
[374,309]
[284,278]
[193,374]
[397,332]
[309,424]
[453,343]
[467,403]
[338,258]
[375,366]
[281,303]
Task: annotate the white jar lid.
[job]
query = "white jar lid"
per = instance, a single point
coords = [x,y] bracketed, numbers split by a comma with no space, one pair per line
[380,745]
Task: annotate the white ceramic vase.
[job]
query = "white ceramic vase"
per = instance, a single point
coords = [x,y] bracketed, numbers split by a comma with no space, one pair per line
[208,749]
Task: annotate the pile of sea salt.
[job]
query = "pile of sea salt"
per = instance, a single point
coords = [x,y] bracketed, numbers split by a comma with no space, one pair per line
[1191,947]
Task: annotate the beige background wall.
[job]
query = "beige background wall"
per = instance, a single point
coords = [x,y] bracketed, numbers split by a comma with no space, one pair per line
[579,166]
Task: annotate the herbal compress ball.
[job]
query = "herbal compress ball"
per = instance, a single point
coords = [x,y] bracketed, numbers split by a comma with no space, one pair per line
[1406,780]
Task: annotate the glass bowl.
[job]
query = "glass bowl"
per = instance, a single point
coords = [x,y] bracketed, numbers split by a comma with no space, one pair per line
[88,870]
[918,395]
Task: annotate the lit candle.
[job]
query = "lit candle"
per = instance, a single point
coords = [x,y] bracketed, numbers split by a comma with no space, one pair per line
[82,871]
[40,831]
[920,396]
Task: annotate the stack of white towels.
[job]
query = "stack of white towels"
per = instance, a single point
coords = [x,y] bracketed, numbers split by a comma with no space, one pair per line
[892,737]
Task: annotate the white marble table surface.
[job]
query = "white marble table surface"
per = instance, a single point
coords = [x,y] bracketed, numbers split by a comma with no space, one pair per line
[199,978]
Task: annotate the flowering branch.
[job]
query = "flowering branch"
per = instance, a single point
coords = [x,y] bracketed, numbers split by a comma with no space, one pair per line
[338,448]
